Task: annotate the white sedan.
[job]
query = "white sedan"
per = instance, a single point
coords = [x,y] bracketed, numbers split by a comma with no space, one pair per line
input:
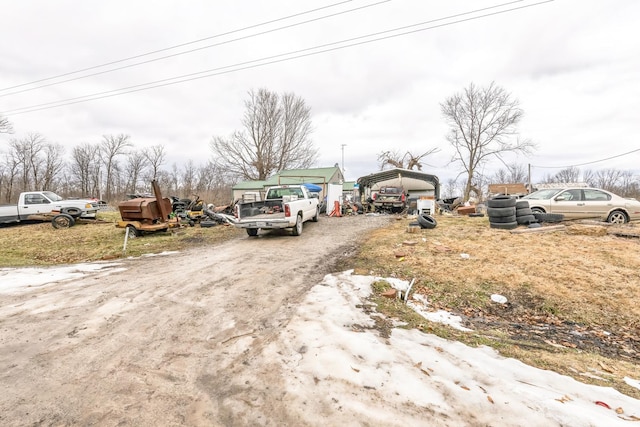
[575,203]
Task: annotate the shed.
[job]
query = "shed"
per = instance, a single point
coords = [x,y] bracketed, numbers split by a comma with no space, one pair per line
[318,176]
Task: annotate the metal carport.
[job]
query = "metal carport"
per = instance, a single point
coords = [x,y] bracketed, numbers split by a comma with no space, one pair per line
[415,183]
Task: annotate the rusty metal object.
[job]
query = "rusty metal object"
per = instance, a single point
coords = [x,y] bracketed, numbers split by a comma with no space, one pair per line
[146,213]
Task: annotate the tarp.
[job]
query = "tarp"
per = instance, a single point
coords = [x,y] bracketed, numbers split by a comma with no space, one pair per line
[312,187]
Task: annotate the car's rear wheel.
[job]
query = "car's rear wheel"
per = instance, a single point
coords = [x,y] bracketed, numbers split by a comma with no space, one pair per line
[252,232]
[537,210]
[297,229]
[617,217]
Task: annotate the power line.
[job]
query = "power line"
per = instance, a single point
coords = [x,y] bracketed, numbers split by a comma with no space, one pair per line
[269,60]
[177,46]
[181,53]
[587,163]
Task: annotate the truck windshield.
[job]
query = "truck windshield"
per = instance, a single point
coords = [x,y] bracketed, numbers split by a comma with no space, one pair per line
[52,196]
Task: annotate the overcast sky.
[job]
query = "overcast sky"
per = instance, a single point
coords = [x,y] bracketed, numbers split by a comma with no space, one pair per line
[574,66]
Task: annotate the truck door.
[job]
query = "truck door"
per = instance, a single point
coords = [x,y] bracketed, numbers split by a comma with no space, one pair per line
[35,203]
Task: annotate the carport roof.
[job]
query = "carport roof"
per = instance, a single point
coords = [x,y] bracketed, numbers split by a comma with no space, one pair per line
[391,174]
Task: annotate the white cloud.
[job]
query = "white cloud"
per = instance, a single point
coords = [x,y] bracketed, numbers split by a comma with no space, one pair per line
[572,65]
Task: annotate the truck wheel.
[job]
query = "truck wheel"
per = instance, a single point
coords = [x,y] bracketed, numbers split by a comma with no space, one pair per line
[74,212]
[315,218]
[297,230]
[252,232]
[62,220]
[132,231]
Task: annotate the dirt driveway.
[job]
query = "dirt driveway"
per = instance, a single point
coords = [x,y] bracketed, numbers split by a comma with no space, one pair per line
[164,340]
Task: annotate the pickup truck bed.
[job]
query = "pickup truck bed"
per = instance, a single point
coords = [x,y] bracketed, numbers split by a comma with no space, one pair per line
[290,209]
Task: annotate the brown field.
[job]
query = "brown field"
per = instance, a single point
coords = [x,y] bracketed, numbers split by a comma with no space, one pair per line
[572,294]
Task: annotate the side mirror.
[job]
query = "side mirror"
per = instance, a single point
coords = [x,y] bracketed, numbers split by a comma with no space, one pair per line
[315,196]
[560,198]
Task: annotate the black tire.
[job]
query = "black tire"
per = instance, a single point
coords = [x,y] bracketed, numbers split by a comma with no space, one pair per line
[504,225]
[617,217]
[537,210]
[62,220]
[315,217]
[208,224]
[132,231]
[502,202]
[476,214]
[500,212]
[502,219]
[526,219]
[74,212]
[521,204]
[523,212]
[297,229]
[253,232]
[427,221]
[546,217]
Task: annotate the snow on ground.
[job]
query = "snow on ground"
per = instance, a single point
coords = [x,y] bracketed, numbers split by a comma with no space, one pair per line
[335,361]
[331,357]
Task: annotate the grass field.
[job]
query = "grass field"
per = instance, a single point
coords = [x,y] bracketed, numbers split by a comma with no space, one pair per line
[572,294]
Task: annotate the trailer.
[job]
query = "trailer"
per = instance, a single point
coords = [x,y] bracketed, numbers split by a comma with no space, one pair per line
[146,214]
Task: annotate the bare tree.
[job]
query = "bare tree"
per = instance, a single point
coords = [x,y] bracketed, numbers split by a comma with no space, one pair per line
[407,160]
[112,147]
[86,168]
[188,178]
[155,156]
[514,173]
[608,179]
[10,173]
[570,174]
[5,125]
[53,165]
[451,188]
[629,184]
[275,136]
[136,162]
[482,124]
[26,152]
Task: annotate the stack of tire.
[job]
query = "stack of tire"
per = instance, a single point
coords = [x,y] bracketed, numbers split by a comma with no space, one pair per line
[524,215]
[501,211]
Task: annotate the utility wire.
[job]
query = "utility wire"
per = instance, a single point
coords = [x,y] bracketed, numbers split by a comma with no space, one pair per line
[184,52]
[587,163]
[269,60]
[178,45]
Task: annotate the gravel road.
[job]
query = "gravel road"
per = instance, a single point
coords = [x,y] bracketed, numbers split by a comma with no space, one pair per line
[165,340]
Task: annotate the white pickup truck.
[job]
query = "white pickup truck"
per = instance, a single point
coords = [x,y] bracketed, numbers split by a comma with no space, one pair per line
[44,206]
[285,206]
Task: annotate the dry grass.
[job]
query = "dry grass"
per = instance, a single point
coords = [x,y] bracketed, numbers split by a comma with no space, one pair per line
[559,285]
[41,244]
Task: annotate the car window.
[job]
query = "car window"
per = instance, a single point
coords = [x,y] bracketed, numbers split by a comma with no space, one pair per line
[596,195]
[572,195]
[542,194]
[34,199]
